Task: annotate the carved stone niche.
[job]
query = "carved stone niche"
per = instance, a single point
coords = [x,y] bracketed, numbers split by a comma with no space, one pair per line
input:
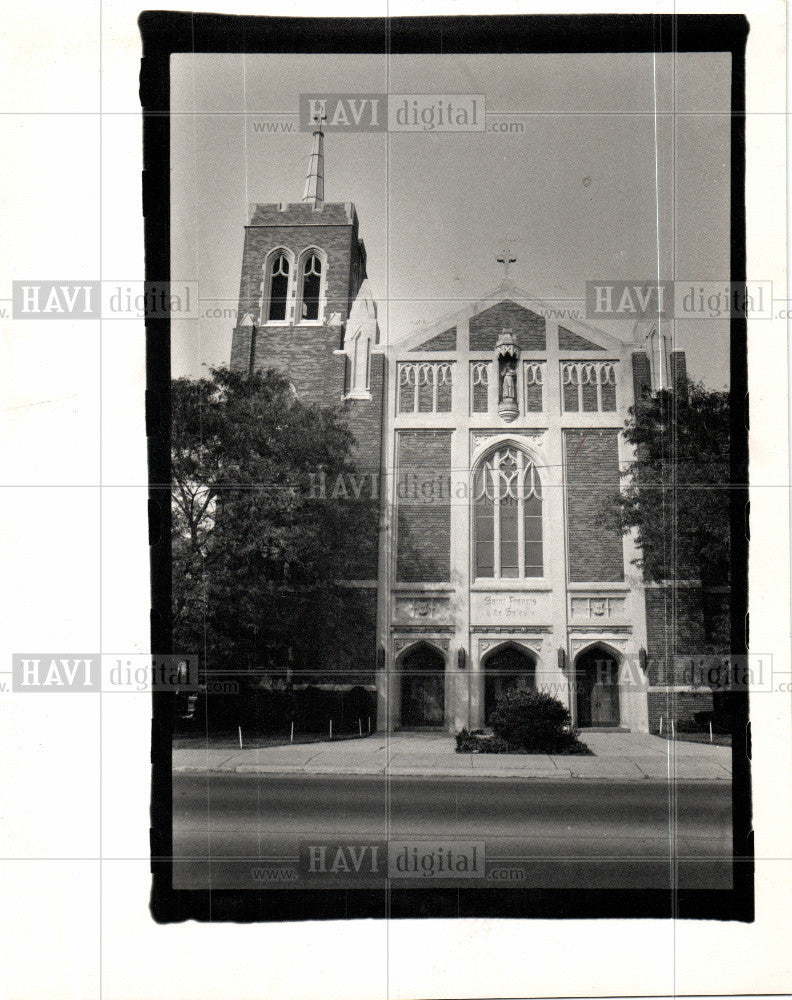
[508,354]
[422,608]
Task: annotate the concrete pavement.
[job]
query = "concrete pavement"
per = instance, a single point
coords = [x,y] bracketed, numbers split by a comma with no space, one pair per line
[617,757]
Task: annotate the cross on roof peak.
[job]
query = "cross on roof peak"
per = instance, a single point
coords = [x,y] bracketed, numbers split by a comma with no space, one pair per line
[506,259]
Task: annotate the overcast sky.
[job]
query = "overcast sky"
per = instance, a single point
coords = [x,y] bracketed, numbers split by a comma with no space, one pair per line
[603,176]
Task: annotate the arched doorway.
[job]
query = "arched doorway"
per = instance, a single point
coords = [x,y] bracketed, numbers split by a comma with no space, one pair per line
[423,688]
[597,687]
[507,668]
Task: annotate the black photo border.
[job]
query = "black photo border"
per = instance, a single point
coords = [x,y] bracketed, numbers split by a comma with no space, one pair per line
[167,32]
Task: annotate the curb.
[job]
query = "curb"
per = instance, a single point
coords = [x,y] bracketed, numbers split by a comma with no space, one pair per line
[413,772]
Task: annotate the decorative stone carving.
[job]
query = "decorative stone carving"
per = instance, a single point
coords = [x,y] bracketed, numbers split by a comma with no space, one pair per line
[480,439]
[597,607]
[487,644]
[618,644]
[423,608]
[509,629]
[535,439]
[402,641]
[421,629]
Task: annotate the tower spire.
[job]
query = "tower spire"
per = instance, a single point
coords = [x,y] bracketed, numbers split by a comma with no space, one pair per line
[314,182]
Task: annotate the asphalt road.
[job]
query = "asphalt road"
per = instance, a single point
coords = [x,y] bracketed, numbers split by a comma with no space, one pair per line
[253,830]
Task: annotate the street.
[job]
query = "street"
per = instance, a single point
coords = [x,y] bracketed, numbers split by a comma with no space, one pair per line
[234,831]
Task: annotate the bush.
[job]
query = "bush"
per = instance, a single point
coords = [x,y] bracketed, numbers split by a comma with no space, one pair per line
[526,722]
[466,742]
[535,723]
[478,742]
[266,711]
[494,744]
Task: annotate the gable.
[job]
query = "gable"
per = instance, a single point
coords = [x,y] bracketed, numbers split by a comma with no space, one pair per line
[568,341]
[528,327]
[445,341]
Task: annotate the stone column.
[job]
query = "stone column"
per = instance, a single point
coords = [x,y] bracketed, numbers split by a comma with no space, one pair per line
[555,526]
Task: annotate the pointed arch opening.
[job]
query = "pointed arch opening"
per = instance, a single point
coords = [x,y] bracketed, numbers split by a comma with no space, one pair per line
[312,267]
[277,278]
[597,687]
[508,667]
[422,669]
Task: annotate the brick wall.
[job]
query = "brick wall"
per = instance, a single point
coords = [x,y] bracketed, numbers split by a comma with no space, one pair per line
[528,328]
[568,341]
[592,481]
[364,418]
[304,351]
[642,376]
[674,621]
[677,705]
[423,529]
[445,341]
[678,372]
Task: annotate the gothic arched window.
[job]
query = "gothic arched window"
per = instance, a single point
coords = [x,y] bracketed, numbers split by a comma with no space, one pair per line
[507,516]
[311,286]
[278,288]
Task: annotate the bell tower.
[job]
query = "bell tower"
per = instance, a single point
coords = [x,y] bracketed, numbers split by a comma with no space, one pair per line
[303,288]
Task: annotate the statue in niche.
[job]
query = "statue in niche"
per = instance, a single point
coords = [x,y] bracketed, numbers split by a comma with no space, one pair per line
[507,383]
[508,353]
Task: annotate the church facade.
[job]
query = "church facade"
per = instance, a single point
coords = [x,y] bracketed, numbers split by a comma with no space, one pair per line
[494,437]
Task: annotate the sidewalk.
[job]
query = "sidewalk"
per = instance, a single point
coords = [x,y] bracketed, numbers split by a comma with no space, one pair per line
[618,757]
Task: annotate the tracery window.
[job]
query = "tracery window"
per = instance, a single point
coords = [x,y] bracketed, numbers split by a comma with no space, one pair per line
[534,379]
[425,387]
[479,377]
[311,287]
[278,288]
[588,386]
[507,521]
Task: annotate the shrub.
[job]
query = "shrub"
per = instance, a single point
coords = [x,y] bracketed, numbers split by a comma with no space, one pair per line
[534,722]
[494,744]
[466,742]
[478,742]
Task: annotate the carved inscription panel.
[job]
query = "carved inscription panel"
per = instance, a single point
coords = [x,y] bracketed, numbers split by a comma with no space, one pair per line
[517,608]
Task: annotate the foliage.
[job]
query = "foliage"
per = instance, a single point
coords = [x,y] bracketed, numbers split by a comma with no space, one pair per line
[262,711]
[477,742]
[677,497]
[526,722]
[536,723]
[257,551]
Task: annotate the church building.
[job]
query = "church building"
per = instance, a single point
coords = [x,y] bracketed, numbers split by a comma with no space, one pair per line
[494,436]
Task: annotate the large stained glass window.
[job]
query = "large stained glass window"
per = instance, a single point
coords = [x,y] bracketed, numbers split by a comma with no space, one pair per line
[507,521]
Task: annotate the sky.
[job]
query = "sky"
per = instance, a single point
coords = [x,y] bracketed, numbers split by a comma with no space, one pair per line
[619,170]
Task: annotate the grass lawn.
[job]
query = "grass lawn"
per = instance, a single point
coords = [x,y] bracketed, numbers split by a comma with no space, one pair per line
[190,741]
[718,739]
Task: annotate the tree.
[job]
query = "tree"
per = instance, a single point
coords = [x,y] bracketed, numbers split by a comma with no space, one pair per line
[677,497]
[260,553]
